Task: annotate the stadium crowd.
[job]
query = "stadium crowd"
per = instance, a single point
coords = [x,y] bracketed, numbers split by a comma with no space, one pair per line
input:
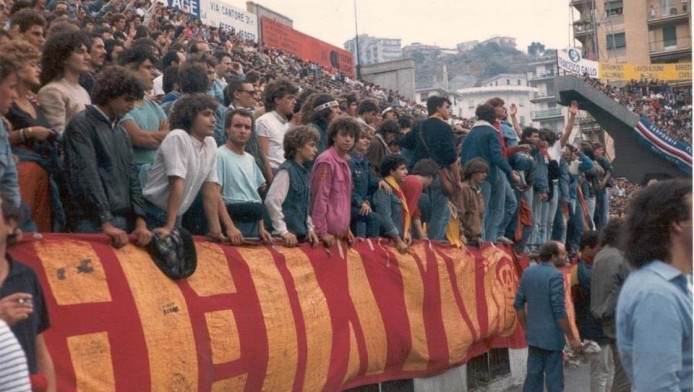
[131,119]
[667,107]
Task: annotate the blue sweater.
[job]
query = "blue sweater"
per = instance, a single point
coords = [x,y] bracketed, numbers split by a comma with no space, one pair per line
[483,142]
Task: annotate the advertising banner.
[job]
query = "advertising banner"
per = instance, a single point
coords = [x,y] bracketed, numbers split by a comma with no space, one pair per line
[570,60]
[191,7]
[221,14]
[279,36]
[269,318]
[674,151]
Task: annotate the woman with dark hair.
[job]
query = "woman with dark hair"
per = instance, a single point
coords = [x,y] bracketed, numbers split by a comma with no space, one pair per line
[33,141]
[318,113]
[65,58]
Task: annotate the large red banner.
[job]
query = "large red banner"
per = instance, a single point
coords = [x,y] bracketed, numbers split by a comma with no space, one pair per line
[269,318]
[279,36]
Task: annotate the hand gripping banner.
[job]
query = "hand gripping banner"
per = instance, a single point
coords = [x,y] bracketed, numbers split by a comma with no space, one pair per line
[269,318]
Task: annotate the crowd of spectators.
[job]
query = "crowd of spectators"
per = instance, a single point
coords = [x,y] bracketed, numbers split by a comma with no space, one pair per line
[668,108]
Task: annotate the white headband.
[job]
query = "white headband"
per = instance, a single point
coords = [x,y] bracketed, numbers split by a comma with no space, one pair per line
[325,106]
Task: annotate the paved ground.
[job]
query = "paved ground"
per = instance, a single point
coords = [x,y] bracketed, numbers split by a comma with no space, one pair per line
[575,380]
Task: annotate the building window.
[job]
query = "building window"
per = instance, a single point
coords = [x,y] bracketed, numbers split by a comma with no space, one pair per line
[615,41]
[670,37]
[425,96]
[522,120]
[614,8]
[508,82]
[519,83]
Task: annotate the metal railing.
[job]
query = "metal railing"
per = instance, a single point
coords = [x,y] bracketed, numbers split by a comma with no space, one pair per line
[554,112]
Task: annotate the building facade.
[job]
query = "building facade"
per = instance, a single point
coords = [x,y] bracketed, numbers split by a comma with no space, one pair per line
[423,94]
[546,112]
[634,31]
[374,50]
[511,93]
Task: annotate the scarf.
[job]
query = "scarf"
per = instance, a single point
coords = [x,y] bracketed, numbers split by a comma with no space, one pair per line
[406,218]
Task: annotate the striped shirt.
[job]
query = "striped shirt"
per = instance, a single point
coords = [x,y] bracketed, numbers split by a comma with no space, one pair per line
[14,374]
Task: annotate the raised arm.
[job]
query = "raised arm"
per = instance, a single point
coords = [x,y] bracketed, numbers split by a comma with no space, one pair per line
[573,109]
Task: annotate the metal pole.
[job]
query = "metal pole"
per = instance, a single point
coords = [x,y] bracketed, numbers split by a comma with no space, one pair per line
[356,37]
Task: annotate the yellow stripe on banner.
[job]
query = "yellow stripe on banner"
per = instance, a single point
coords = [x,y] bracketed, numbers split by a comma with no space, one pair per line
[279,321]
[353,362]
[414,303]
[91,359]
[317,321]
[233,384]
[224,337]
[369,315]
[464,270]
[74,272]
[458,335]
[165,322]
[499,295]
[212,276]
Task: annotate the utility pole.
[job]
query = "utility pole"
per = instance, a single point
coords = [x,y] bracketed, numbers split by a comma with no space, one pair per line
[356,37]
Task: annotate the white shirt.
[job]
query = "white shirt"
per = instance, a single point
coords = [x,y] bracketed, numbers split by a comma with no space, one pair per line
[158,88]
[181,155]
[273,126]
[14,373]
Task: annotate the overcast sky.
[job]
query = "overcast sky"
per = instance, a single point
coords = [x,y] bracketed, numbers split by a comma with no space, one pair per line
[441,22]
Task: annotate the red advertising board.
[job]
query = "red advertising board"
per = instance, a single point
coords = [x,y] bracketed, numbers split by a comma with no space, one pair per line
[282,37]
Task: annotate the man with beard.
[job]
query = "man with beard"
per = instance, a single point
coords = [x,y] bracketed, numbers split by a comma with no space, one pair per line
[97,54]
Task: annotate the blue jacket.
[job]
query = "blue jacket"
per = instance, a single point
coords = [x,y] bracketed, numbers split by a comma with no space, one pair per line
[389,210]
[541,176]
[364,183]
[542,288]
[9,187]
[483,142]
[564,180]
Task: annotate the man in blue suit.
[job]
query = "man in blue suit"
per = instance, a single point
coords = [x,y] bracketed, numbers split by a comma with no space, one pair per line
[542,312]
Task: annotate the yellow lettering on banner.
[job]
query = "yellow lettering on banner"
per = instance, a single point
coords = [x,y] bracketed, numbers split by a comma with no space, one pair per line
[499,290]
[418,357]
[91,359]
[670,72]
[353,364]
[280,325]
[224,336]
[212,276]
[237,383]
[368,313]
[458,335]
[464,270]
[74,272]
[317,320]
[165,322]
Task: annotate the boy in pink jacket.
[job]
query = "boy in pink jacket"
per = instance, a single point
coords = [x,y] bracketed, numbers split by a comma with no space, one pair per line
[331,184]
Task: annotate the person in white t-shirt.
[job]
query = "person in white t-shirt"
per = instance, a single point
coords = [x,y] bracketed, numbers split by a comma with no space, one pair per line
[186,162]
[240,177]
[279,100]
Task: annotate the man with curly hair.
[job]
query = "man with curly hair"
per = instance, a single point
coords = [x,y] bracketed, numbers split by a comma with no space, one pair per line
[99,164]
[65,59]
[186,163]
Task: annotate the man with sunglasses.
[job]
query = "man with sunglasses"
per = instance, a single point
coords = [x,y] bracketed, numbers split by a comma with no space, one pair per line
[241,95]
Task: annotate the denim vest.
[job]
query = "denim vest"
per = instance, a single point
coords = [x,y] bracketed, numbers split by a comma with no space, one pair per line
[295,206]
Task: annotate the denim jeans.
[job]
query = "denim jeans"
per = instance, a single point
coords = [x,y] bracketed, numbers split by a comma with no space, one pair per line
[494,193]
[364,226]
[559,229]
[590,201]
[156,217]
[440,213]
[510,207]
[552,211]
[602,208]
[540,211]
[574,229]
[545,368]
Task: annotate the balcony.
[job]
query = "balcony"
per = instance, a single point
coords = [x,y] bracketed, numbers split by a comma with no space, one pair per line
[546,114]
[659,17]
[661,51]
[582,28]
[542,97]
[581,4]
[542,77]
